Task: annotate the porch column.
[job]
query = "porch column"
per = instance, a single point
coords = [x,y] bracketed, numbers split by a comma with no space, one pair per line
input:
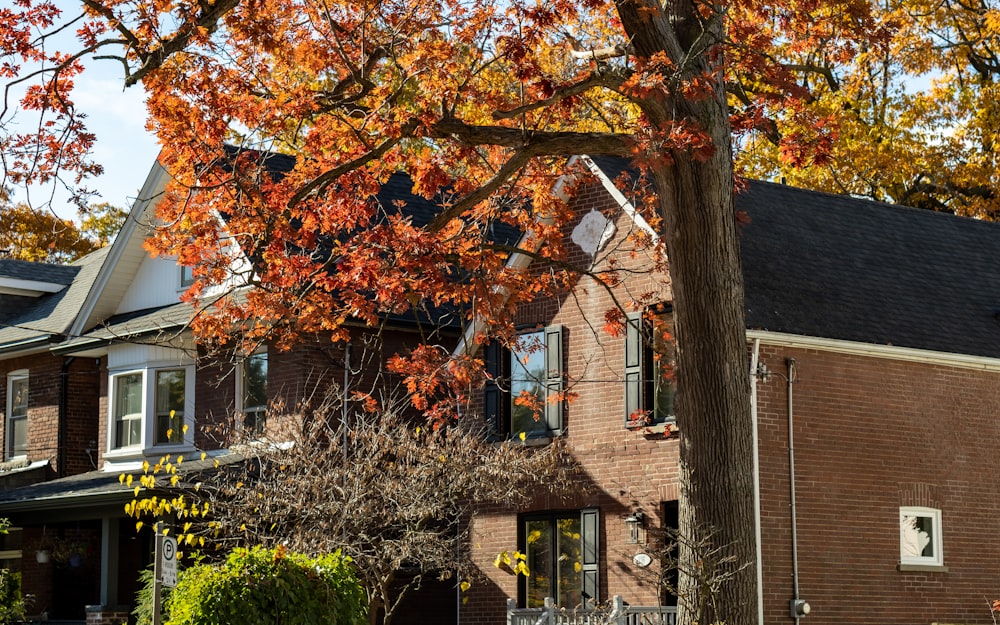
[109,561]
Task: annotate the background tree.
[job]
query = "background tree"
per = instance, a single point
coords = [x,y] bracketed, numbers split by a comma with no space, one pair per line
[479,103]
[396,497]
[914,122]
[41,236]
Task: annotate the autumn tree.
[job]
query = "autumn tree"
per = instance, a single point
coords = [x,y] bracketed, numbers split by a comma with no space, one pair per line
[913,122]
[479,103]
[39,235]
[396,496]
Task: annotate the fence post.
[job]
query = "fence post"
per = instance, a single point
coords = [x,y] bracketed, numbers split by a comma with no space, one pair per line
[619,610]
[511,604]
[550,611]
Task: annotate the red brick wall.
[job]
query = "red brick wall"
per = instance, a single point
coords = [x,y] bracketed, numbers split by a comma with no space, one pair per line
[45,378]
[626,470]
[871,435]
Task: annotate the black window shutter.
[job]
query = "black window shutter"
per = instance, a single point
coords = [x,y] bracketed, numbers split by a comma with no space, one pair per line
[493,404]
[590,541]
[553,377]
[634,374]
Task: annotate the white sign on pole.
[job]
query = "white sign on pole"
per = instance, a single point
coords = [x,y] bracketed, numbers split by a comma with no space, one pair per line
[168,561]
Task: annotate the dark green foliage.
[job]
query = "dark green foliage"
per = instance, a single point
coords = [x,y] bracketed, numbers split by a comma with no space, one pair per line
[268,587]
[12,603]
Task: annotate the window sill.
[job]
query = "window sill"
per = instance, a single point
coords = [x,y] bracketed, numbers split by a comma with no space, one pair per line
[921,568]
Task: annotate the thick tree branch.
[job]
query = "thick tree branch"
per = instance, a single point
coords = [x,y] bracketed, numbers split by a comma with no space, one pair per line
[519,160]
[592,81]
[534,143]
[323,180]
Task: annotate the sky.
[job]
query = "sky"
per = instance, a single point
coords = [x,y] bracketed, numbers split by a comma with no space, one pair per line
[117,117]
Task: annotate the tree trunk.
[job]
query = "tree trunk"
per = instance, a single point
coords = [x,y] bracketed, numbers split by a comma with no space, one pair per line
[713,404]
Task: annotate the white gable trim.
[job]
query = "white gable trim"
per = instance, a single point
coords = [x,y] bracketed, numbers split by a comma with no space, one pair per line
[30,288]
[873,350]
[619,197]
[150,193]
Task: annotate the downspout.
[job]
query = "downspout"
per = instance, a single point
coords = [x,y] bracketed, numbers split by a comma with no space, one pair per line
[796,600]
[62,425]
[754,363]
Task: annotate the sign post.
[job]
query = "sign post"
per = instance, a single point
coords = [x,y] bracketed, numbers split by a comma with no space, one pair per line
[168,561]
[164,567]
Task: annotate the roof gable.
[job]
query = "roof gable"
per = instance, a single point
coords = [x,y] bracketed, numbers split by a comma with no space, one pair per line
[829,266]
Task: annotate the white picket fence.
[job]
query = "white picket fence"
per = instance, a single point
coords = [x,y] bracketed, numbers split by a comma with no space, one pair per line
[619,614]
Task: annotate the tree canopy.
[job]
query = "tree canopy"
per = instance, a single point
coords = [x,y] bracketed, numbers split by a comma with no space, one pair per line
[41,236]
[913,122]
[479,103]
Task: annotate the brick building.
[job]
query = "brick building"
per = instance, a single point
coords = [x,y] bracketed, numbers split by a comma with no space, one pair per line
[872,330]
[875,350]
[102,373]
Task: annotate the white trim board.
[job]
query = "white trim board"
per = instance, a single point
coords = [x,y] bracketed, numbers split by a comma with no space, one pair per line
[907,354]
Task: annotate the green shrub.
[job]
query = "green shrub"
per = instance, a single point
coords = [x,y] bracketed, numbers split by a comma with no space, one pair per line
[12,603]
[268,587]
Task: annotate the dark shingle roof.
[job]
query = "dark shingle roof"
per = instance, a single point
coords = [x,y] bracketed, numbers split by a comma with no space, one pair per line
[40,272]
[831,266]
[26,320]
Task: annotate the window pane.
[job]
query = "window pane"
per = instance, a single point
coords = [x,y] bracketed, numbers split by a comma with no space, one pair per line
[19,397]
[169,406]
[527,385]
[18,436]
[569,585]
[128,394]
[255,382]
[538,548]
[918,536]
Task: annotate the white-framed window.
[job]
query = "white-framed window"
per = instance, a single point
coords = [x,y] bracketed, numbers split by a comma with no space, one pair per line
[151,406]
[187,276]
[920,536]
[17,414]
[253,391]
[169,400]
[127,410]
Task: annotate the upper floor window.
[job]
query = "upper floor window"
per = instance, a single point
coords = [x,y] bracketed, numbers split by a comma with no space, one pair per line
[17,414]
[128,410]
[170,388]
[187,276]
[920,536]
[253,391]
[562,552]
[649,375]
[150,407]
[523,393]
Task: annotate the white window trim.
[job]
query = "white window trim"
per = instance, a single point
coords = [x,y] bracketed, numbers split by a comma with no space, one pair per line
[240,400]
[937,560]
[148,428]
[14,376]
[185,277]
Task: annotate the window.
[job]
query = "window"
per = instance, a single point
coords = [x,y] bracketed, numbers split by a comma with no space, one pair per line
[170,406]
[649,379]
[254,391]
[920,536]
[523,394]
[17,414]
[562,557]
[187,276]
[128,410]
[150,407]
